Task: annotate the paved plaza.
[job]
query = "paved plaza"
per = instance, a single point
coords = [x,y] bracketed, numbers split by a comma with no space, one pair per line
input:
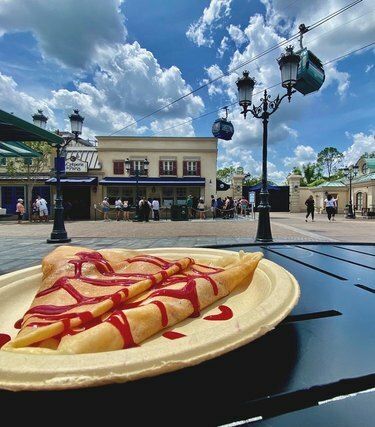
[24,245]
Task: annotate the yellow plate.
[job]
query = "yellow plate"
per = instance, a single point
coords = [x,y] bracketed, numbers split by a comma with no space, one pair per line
[256,309]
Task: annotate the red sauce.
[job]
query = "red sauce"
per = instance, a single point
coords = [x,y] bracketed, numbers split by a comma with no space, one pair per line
[172,335]
[225,314]
[4,338]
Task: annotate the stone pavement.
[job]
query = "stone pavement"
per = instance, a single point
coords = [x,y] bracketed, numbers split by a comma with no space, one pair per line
[24,245]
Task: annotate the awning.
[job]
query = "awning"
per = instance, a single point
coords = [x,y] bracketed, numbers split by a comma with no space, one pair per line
[17,149]
[75,180]
[13,128]
[163,181]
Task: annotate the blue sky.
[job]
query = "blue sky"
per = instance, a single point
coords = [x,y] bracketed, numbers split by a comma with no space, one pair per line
[122,62]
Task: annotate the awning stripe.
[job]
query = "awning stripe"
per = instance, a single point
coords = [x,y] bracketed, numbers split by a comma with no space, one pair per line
[188,181]
[83,180]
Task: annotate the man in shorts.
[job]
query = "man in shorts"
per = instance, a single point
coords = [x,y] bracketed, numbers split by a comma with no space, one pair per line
[43,210]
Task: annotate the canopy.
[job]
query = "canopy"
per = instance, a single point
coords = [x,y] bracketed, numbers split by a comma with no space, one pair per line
[75,180]
[17,149]
[13,129]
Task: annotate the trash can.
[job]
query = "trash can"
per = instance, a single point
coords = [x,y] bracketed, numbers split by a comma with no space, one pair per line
[179,213]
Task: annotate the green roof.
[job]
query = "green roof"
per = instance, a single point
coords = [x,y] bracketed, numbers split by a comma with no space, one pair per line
[13,129]
[17,149]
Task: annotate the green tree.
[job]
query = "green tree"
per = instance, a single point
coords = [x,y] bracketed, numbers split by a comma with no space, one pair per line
[328,160]
[226,174]
[31,168]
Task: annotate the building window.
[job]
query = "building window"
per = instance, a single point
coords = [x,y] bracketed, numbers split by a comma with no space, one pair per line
[192,168]
[364,169]
[138,165]
[359,201]
[167,167]
[118,168]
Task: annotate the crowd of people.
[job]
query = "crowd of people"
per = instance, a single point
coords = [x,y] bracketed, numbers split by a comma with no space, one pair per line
[39,210]
[144,209]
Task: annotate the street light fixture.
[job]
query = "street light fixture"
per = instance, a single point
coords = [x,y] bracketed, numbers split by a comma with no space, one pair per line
[350,173]
[59,234]
[288,63]
[136,167]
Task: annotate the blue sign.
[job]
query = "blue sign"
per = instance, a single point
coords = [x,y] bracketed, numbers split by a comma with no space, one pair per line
[60,164]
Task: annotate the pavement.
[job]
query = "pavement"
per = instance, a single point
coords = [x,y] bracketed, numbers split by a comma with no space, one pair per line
[24,245]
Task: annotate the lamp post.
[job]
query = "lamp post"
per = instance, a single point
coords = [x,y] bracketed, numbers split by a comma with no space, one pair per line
[59,234]
[136,167]
[288,63]
[350,173]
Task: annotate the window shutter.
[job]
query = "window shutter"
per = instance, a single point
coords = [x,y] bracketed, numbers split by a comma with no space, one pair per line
[199,168]
[174,168]
[185,168]
[161,169]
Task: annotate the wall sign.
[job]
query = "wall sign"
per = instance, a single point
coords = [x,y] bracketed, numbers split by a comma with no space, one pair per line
[75,165]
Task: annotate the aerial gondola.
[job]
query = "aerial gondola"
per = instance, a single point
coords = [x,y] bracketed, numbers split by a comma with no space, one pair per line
[223,128]
[310,73]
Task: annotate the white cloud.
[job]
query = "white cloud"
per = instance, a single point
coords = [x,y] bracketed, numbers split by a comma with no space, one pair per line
[200,32]
[362,144]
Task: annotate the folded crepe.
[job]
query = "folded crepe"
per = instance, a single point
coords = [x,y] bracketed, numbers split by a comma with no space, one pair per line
[94,301]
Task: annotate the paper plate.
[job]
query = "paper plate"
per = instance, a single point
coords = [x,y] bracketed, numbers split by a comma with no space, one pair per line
[254,310]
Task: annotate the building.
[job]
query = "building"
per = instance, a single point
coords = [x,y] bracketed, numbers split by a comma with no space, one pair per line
[362,186]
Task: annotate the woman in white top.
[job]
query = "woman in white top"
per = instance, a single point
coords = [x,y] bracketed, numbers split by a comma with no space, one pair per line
[118,206]
[330,207]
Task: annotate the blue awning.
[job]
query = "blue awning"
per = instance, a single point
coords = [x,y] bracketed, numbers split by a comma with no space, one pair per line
[161,181]
[75,180]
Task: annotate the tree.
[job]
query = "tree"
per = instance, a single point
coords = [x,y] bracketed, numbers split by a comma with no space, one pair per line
[31,167]
[309,172]
[226,174]
[328,159]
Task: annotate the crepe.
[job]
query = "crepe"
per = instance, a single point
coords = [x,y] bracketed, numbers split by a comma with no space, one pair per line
[94,301]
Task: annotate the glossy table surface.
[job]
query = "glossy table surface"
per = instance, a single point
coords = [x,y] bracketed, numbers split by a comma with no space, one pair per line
[317,367]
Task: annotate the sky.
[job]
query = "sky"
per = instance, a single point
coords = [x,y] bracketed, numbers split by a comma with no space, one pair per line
[169,67]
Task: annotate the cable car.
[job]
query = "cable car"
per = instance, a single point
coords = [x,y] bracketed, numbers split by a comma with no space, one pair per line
[310,73]
[223,128]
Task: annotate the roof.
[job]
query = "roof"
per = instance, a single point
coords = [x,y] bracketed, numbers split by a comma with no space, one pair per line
[13,129]
[17,149]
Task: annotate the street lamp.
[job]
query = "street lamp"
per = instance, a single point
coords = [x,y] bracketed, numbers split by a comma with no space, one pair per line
[288,63]
[59,234]
[136,167]
[350,173]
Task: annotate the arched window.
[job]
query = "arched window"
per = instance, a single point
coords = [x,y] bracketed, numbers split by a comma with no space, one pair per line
[364,169]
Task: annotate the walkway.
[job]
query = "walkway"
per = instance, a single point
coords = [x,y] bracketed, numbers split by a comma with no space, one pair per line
[23,245]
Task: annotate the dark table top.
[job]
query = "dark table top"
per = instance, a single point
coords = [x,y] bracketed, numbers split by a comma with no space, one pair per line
[317,367]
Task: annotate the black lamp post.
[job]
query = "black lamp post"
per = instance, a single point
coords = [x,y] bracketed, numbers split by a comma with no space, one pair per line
[59,234]
[137,167]
[350,173]
[288,63]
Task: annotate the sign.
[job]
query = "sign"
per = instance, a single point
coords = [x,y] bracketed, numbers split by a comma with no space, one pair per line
[252,197]
[60,165]
[75,166]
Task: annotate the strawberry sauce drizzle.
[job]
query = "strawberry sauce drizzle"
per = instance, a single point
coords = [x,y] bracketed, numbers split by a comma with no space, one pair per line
[51,313]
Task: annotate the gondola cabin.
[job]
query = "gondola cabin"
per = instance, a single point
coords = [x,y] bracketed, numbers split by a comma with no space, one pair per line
[223,129]
[310,73]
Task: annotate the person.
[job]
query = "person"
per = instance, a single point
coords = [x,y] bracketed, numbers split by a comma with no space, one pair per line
[106,207]
[20,210]
[330,207]
[243,206]
[201,209]
[189,205]
[43,210]
[118,206]
[155,208]
[213,206]
[310,207]
[126,210]
[144,210]
[35,212]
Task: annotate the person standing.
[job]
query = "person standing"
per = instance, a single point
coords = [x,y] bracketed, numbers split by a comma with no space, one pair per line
[20,210]
[106,207]
[201,209]
[43,210]
[310,207]
[118,206]
[156,209]
[126,209]
[330,207]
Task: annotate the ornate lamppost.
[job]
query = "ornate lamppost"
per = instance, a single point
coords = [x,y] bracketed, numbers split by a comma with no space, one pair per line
[288,63]
[350,173]
[59,234]
[136,167]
